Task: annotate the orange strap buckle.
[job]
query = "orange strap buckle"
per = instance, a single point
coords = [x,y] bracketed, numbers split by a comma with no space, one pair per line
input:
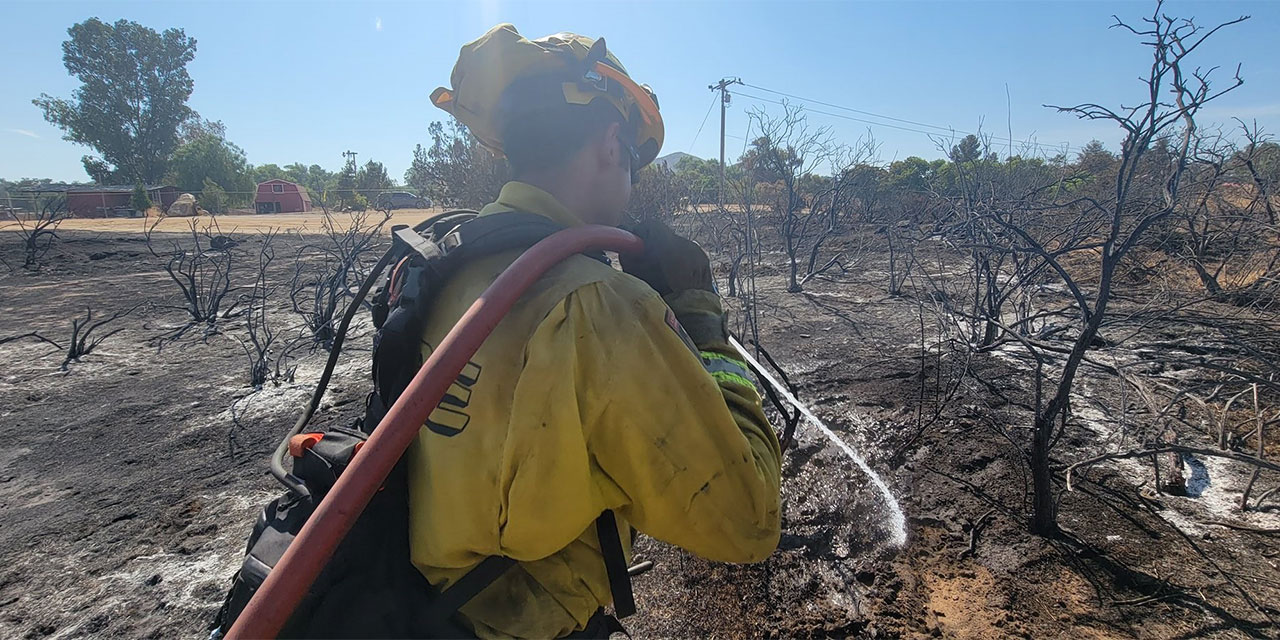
[303,441]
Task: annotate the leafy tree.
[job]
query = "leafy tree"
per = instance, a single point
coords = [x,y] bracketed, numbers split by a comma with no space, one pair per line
[346,182]
[372,179]
[101,172]
[132,97]
[210,158]
[701,178]
[359,202]
[767,162]
[912,174]
[969,150]
[1096,162]
[314,177]
[297,172]
[140,200]
[196,126]
[659,194]
[418,175]
[455,170]
[267,172]
[213,198]
[1268,160]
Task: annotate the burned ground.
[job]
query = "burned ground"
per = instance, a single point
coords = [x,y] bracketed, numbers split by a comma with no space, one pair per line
[129,482]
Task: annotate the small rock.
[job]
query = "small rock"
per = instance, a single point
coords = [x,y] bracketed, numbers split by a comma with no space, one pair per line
[192,544]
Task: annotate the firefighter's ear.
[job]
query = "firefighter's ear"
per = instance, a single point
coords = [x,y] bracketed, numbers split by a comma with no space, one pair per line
[608,147]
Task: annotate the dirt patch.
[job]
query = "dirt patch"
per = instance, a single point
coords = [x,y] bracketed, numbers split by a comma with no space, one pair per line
[309,222]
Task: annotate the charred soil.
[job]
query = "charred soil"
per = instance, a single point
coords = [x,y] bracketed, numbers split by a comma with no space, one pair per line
[129,482]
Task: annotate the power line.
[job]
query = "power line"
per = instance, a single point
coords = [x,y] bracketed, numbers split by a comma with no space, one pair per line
[704,123]
[838,115]
[852,110]
[940,129]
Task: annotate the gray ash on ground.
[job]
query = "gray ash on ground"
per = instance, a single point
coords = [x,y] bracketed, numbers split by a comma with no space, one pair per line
[124,505]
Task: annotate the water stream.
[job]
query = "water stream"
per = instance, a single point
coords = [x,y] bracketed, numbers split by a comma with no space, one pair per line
[897,520]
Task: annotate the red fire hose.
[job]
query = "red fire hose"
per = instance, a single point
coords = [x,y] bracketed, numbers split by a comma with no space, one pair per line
[310,551]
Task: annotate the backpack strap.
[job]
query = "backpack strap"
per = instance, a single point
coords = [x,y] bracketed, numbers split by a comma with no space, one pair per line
[439,614]
[615,564]
[494,233]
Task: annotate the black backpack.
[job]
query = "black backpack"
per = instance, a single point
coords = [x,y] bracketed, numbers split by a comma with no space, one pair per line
[369,589]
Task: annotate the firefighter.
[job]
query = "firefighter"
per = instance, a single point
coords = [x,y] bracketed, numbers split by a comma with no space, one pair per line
[603,390]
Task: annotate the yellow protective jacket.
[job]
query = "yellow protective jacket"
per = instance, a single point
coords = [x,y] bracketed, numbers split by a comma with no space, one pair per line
[585,398]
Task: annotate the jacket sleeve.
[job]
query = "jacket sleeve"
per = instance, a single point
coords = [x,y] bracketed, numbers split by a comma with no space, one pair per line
[677,440]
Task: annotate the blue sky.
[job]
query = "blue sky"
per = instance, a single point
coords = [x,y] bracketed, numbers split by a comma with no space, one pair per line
[303,82]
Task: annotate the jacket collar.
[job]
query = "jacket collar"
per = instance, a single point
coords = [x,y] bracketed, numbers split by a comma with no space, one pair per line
[522,196]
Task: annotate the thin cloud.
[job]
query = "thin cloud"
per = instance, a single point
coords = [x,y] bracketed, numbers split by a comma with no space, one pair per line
[377,23]
[24,132]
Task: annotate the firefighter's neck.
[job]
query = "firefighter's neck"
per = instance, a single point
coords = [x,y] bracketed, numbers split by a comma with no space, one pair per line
[594,184]
[570,188]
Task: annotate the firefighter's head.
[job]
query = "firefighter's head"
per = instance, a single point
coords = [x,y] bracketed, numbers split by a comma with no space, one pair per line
[558,105]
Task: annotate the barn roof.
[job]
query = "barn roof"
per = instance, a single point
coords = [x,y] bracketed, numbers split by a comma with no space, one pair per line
[275,180]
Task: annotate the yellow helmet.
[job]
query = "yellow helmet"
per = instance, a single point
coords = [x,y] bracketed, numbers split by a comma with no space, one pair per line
[491,63]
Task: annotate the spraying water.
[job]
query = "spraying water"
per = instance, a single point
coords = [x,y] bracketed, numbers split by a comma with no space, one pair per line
[898,521]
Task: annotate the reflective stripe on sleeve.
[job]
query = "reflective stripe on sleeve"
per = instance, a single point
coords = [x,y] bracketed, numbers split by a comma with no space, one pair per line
[726,369]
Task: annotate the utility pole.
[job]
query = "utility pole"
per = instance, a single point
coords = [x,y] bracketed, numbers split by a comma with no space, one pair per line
[350,156]
[723,88]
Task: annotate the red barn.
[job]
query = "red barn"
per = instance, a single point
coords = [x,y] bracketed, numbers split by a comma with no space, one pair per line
[101,202]
[281,196]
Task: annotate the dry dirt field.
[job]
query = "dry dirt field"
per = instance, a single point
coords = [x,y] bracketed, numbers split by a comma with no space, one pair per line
[310,222]
[129,482]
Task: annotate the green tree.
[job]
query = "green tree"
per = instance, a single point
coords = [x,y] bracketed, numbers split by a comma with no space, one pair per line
[969,149]
[132,97]
[140,200]
[211,158]
[701,178]
[346,182]
[320,180]
[101,172]
[659,194]
[418,175]
[1095,161]
[267,172]
[359,202]
[912,174]
[213,198]
[455,170]
[768,162]
[196,126]
[372,179]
